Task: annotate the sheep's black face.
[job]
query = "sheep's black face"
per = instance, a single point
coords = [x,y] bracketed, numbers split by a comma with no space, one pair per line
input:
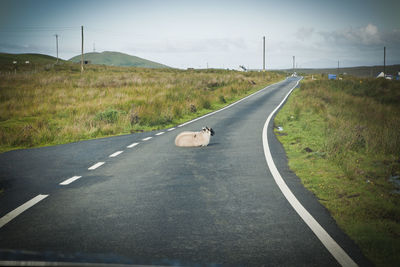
[206,129]
[212,132]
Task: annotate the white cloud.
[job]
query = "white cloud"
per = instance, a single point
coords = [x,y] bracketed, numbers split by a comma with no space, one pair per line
[370,30]
[362,36]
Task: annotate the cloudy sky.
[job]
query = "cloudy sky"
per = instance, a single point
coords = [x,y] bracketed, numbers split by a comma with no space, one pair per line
[222,34]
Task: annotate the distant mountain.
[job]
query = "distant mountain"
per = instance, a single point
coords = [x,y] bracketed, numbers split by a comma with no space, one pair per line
[361,71]
[8,59]
[117,59]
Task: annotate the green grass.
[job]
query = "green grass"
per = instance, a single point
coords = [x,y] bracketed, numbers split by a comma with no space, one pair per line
[58,105]
[6,58]
[37,62]
[342,140]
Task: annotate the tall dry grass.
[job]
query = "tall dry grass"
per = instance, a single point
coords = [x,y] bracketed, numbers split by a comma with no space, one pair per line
[362,116]
[60,105]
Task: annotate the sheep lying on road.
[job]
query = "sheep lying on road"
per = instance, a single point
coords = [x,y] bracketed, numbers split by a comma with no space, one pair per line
[190,139]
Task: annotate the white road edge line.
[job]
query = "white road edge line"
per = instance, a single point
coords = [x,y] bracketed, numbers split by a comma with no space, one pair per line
[147,138]
[95,166]
[132,145]
[12,214]
[70,180]
[115,154]
[337,252]
[160,133]
[230,105]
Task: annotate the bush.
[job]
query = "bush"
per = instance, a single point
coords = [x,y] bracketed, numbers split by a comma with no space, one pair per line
[193,108]
[205,103]
[176,111]
[108,116]
[133,115]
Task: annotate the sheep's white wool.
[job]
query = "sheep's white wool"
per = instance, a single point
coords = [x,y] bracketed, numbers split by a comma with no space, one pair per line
[192,139]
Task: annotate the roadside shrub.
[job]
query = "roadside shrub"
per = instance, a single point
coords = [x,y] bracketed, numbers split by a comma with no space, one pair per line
[176,111]
[153,121]
[205,103]
[108,116]
[25,136]
[133,116]
[193,108]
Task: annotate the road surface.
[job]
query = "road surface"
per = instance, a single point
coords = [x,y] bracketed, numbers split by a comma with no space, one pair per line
[139,199]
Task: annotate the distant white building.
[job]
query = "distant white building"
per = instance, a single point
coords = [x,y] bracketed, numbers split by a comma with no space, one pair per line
[381,75]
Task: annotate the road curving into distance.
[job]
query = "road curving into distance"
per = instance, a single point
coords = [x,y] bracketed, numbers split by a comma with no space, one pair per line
[139,199]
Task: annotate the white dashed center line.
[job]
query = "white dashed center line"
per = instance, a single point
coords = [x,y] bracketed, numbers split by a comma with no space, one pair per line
[160,133]
[115,154]
[171,129]
[132,145]
[12,214]
[70,180]
[95,166]
[147,138]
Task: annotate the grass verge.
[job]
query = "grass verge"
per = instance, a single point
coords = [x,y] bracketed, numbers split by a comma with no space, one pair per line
[342,140]
[59,105]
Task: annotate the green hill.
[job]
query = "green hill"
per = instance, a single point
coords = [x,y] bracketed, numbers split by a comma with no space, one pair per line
[6,59]
[117,59]
[26,62]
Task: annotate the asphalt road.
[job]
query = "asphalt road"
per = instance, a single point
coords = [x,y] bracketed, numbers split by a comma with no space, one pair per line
[159,204]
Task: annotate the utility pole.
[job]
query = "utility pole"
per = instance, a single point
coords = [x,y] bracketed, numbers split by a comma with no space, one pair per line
[294,60]
[82,51]
[264,53]
[57,47]
[384,61]
[338,70]
[94,47]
